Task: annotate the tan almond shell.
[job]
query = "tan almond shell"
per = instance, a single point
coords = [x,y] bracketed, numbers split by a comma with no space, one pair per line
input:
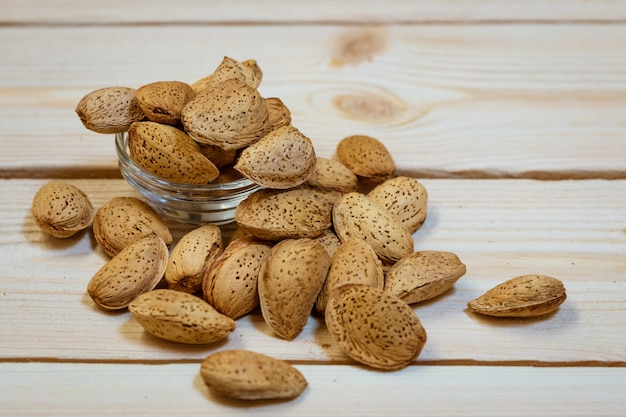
[230,115]
[279,114]
[331,174]
[423,275]
[169,153]
[231,284]
[354,262]
[124,220]
[218,156]
[329,240]
[404,197]
[163,101]
[284,158]
[367,157]
[109,110]
[136,269]
[355,214]
[290,279]
[282,214]
[248,72]
[373,327]
[61,209]
[523,296]
[180,317]
[248,375]
[192,256]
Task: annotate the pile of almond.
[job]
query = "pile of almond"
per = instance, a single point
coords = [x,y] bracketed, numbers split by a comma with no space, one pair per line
[327,235]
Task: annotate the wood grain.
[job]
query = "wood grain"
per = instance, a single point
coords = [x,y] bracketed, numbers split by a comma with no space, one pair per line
[324,11]
[500,229]
[177,389]
[488,101]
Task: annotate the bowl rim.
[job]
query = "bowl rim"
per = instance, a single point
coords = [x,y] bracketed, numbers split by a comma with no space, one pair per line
[121,146]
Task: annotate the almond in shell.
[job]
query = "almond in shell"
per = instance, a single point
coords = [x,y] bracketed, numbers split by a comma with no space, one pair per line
[231,284]
[109,109]
[404,197]
[355,214]
[163,101]
[367,157]
[330,174]
[169,153]
[423,275]
[61,209]
[191,258]
[284,158]
[373,327]
[247,375]
[230,115]
[289,281]
[180,317]
[279,113]
[354,262]
[283,214]
[523,296]
[123,220]
[136,269]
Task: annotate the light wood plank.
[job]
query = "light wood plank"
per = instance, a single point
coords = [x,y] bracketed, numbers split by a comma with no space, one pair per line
[473,101]
[36,389]
[574,231]
[117,11]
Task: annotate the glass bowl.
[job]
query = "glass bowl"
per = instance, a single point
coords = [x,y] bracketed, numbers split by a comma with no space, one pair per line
[213,203]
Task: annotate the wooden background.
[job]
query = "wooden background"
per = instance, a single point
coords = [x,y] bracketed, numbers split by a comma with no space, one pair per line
[512,114]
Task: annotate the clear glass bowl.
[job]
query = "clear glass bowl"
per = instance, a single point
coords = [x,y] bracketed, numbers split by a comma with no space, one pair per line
[192,204]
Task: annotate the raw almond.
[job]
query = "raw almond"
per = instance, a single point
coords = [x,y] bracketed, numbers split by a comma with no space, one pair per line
[404,197]
[355,214]
[373,327]
[524,296]
[191,258]
[284,158]
[289,281]
[218,156]
[136,269]
[279,114]
[423,275]
[333,175]
[367,157]
[231,284]
[354,262]
[282,214]
[169,153]
[123,220]
[230,115]
[248,72]
[163,101]
[109,109]
[61,209]
[180,317]
[247,375]
[329,240]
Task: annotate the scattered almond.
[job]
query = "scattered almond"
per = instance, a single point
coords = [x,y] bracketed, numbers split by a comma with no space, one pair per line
[523,296]
[423,275]
[61,209]
[404,197]
[247,375]
[191,258]
[367,157]
[373,327]
[290,279]
[231,284]
[330,174]
[282,214]
[136,269]
[355,214]
[180,317]
[279,114]
[123,220]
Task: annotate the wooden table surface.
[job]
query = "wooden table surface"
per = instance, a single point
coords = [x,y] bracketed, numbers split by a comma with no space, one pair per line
[511,113]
